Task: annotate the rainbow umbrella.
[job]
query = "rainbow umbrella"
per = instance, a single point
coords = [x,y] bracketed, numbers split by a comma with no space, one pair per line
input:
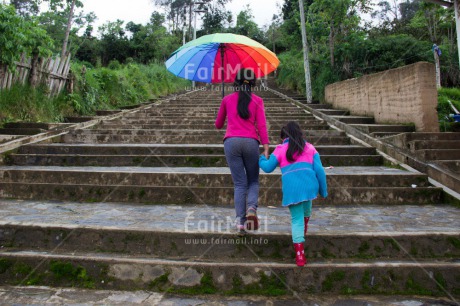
[216,58]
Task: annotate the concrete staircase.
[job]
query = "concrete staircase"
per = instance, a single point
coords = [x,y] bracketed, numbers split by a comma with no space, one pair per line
[74,213]
[362,123]
[438,149]
[16,130]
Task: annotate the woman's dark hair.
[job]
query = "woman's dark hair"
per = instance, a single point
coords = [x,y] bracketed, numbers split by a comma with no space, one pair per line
[245,79]
[296,141]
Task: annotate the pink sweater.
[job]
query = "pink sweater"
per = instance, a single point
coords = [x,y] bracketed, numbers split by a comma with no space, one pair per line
[238,127]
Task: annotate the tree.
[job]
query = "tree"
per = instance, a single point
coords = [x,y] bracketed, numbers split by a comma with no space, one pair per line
[245,25]
[341,18]
[67,31]
[17,37]
[133,27]
[180,12]
[215,19]
[62,24]
[26,8]
[388,11]
[152,41]
[273,33]
[114,43]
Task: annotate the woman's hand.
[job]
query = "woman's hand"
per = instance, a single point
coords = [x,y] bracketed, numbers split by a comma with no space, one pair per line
[266,151]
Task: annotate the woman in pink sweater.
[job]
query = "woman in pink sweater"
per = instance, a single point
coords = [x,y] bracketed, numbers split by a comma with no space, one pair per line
[246,129]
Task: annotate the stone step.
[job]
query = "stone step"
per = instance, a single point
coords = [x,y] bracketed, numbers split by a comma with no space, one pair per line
[354,119]
[194,241]
[318,106]
[434,144]
[404,140]
[199,195]
[436,154]
[358,176]
[115,271]
[165,149]
[334,112]
[107,112]
[196,185]
[27,125]
[211,139]
[434,136]
[209,121]
[383,134]
[285,106]
[134,229]
[45,295]
[192,114]
[133,106]
[384,128]
[78,119]
[190,118]
[6,138]
[190,125]
[21,131]
[124,130]
[213,108]
[452,165]
[158,160]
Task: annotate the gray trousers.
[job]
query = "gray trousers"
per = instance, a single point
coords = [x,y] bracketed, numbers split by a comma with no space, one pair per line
[242,156]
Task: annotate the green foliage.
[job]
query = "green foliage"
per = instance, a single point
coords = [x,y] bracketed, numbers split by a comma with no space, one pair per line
[23,103]
[341,48]
[54,20]
[5,264]
[11,37]
[331,280]
[291,73]
[19,36]
[94,89]
[245,25]
[66,271]
[103,88]
[444,109]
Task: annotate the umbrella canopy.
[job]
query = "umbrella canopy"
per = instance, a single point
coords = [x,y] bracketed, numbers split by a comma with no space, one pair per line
[216,58]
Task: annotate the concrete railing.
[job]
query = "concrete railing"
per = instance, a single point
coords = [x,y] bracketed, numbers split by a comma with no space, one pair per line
[405,95]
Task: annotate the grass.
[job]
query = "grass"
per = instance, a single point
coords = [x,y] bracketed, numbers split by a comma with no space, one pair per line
[24,103]
[446,123]
[94,89]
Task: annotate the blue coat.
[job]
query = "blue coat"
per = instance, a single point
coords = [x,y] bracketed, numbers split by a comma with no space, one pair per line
[302,179]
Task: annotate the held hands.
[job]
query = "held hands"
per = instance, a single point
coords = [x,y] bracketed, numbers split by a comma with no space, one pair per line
[266,151]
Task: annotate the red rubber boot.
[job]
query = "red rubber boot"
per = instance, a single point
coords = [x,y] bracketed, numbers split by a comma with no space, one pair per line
[306,219]
[300,259]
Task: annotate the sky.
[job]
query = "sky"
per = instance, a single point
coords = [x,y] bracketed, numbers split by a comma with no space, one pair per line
[139,11]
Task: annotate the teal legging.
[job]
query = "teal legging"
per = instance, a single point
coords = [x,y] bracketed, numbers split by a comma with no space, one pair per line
[298,212]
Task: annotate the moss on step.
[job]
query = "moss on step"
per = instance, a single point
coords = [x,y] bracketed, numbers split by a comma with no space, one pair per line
[331,279]
[159,282]
[267,285]
[5,264]
[206,287]
[454,241]
[67,271]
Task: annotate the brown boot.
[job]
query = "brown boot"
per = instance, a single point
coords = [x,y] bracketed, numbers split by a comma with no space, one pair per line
[252,222]
[300,259]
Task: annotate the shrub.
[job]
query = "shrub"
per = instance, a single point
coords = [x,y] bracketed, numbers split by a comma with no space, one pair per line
[444,109]
[94,89]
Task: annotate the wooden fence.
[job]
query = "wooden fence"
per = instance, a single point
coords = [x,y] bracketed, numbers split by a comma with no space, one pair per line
[51,71]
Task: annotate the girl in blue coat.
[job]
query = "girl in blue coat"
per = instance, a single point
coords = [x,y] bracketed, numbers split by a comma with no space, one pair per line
[303,177]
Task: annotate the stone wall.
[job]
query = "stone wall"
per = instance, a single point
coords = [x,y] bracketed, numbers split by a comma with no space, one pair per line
[403,95]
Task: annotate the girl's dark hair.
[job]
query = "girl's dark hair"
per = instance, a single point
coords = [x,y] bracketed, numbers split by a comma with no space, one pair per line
[296,141]
[245,79]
